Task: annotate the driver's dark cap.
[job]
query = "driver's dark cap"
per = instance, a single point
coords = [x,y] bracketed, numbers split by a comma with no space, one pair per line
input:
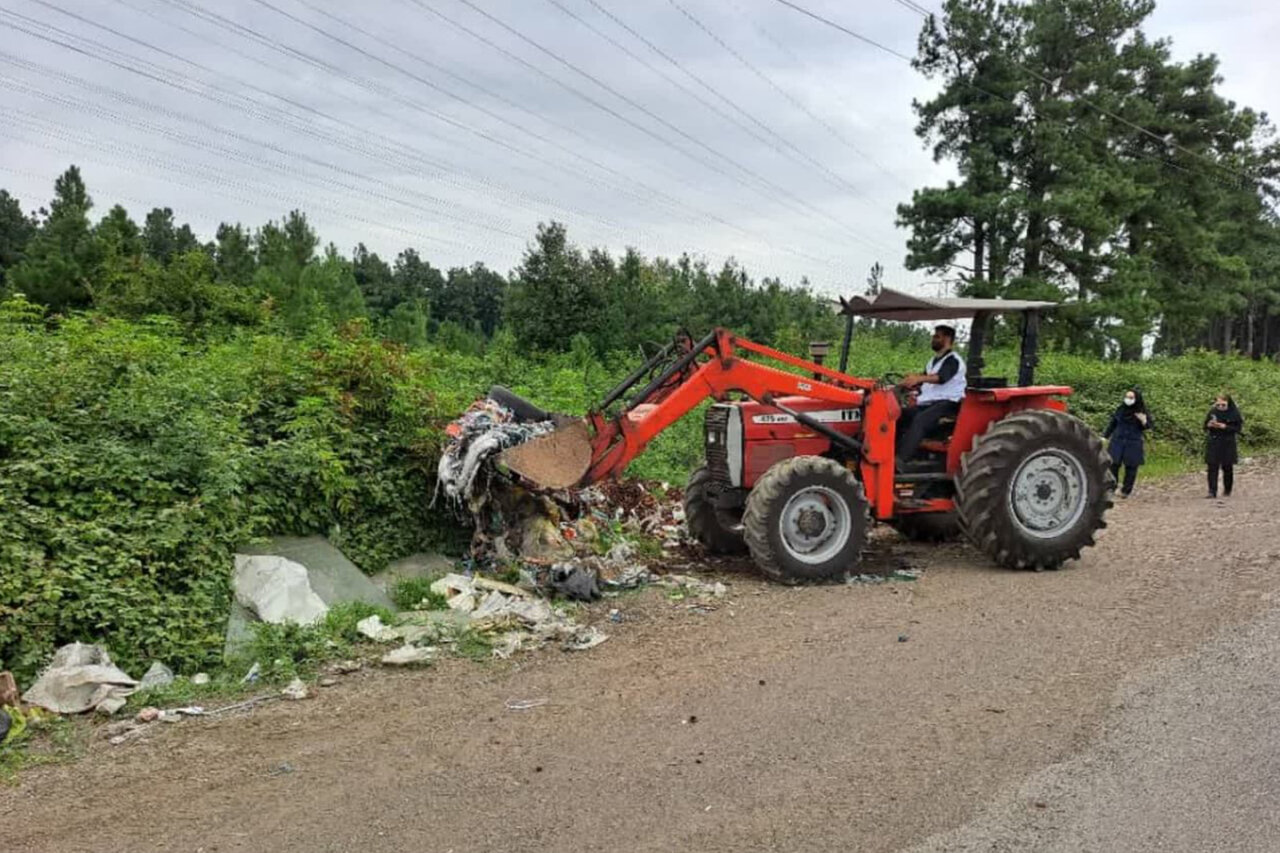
[949,331]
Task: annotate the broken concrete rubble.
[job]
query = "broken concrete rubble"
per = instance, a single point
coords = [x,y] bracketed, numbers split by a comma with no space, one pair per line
[276,590]
[524,619]
[409,656]
[158,675]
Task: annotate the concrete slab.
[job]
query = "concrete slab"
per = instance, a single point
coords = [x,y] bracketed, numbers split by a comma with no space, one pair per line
[333,577]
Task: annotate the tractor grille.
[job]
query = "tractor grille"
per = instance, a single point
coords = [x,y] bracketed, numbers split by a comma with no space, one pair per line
[715,441]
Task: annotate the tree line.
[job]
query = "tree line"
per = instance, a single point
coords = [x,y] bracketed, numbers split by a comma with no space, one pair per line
[279,275]
[1095,168]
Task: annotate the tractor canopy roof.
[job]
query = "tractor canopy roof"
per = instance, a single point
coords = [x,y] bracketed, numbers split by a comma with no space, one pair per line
[896,305]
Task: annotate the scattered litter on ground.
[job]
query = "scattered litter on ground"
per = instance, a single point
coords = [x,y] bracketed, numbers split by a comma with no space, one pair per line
[373,628]
[284,768]
[525,704]
[345,667]
[158,675]
[902,638]
[148,715]
[577,582]
[79,678]
[200,679]
[170,717]
[409,656]
[296,690]
[895,575]
[615,615]
[254,673]
[327,681]
[587,638]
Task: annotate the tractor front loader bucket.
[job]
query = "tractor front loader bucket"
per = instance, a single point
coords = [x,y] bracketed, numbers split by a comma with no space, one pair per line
[555,460]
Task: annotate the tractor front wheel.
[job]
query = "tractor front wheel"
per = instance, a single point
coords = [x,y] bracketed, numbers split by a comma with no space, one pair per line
[806,520]
[719,530]
[1034,490]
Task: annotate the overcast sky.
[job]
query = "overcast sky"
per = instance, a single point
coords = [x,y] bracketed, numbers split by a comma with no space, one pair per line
[719,127]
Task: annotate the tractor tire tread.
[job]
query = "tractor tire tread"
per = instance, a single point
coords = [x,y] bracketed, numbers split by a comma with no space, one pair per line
[983,481]
[772,487]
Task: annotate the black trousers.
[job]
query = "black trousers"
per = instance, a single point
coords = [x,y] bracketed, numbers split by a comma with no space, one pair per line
[1228,478]
[914,424]
[1130,476]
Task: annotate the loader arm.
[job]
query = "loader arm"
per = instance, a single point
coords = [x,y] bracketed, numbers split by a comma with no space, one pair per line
[709,369]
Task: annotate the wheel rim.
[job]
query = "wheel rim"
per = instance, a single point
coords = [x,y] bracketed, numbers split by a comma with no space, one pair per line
[815,524]
[1048,493]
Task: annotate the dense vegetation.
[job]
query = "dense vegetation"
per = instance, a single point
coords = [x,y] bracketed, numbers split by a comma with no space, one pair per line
[163,398]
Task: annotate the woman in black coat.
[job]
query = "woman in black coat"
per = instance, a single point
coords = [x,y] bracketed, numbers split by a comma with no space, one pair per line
[1127,447]
[1222,425]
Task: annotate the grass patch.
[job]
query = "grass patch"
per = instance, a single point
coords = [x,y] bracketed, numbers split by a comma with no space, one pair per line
[416,594]
[38,739]
[339,624]
[473,646]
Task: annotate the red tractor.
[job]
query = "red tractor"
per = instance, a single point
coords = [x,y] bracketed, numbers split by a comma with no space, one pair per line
[798,464]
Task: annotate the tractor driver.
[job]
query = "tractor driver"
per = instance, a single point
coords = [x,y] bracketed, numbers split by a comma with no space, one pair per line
[941,388]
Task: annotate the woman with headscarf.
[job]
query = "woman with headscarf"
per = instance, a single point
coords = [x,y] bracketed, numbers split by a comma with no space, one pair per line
[1222,424]
[1130,421]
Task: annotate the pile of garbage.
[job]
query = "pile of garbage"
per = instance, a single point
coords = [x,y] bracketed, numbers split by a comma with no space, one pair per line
[483,431]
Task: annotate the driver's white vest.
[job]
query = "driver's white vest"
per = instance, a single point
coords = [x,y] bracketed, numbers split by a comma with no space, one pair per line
[952,389]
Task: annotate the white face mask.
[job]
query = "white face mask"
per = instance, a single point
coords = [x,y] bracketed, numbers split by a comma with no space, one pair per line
[1129,401]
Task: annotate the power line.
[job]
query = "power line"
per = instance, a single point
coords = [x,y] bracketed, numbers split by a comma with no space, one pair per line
[799,62]
[750,66]
[914,7]
[779,143]
[129,154]
[859,36]
[610,111]
[246,32]
[425,82]
[778,190]
[361,146]
[85,85]
[671,201]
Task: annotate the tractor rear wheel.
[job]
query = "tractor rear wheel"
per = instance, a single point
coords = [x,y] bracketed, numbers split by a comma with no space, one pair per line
[719,530]
[806,520]
[1034,490]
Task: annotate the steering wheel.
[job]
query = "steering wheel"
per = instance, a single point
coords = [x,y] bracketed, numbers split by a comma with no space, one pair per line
[894,382]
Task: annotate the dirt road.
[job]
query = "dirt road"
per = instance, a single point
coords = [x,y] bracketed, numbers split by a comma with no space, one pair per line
[868,718]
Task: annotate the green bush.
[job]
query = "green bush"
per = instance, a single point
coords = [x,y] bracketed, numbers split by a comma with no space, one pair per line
[133,461]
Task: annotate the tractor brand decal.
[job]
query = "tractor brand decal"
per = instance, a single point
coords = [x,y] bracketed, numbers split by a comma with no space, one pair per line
[804,386]
[826,416]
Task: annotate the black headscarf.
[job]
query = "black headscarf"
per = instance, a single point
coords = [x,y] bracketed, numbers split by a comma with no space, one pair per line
[1231,416]
[1128,412]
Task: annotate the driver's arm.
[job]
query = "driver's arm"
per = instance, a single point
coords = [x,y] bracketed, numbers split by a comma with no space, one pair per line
[946,371]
